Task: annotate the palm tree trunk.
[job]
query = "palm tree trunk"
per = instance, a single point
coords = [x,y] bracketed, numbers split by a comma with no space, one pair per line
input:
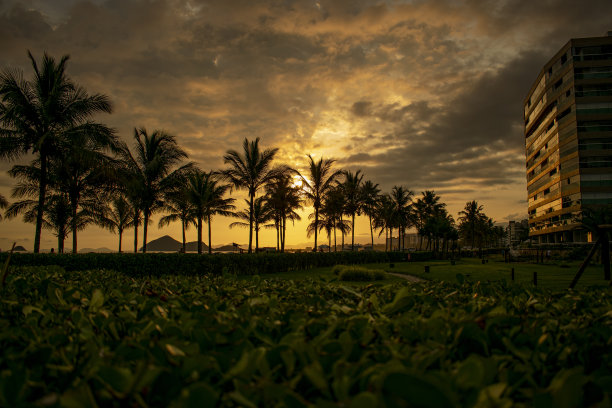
[353,233]
[42,190]
[199,234]
[371,231]
[335,242]
[316,227]
[59,244]
[329,239]
[284,221]
[209,237]
[136,231]
[277,227]
[120,235]
[184,243]
[251,198]
[256,237]
[73,209]
[144,232]
[386,239]
[342,231]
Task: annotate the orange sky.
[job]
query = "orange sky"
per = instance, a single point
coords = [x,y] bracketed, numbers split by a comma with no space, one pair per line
[424,94]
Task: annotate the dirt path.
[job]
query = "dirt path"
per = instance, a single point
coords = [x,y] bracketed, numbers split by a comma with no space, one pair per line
[409,278]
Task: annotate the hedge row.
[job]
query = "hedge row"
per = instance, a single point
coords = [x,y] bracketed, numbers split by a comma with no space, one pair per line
[158,264]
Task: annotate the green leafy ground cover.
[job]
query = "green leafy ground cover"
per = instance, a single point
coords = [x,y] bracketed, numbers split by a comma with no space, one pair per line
[101,338]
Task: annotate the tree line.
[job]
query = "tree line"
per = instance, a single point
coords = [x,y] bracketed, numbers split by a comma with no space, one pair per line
[82,174]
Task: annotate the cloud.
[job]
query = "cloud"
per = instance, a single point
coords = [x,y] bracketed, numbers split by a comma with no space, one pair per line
[426,94]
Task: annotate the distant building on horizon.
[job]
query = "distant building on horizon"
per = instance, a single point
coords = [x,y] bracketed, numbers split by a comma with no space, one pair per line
[568,139]
[515,232]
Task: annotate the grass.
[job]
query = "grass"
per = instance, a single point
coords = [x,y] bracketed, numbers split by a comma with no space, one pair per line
[550,275]
[553,276]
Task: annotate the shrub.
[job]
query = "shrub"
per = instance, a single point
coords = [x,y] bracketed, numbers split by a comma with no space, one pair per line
[358,274]
[161,264]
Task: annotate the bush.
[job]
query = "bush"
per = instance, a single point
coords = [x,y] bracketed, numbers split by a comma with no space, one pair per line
[160,264]
[358,273]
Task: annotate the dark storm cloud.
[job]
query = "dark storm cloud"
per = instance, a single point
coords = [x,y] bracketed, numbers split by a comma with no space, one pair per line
[422,93]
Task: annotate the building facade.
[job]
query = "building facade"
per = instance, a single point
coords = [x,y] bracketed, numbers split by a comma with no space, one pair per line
[568,139]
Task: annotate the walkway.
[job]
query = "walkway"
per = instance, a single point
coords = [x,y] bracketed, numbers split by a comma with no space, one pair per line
[409,278]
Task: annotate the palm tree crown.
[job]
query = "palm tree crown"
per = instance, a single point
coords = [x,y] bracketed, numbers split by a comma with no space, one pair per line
[36,115]
[151,170]
[250,170]
[321,179]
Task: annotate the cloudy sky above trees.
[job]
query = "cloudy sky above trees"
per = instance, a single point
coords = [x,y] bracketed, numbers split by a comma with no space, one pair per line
[426,93]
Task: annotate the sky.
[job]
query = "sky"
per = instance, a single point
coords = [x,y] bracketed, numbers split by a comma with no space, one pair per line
[426,94]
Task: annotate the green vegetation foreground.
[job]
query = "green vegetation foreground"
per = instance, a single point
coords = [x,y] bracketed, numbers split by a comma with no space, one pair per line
[101,338]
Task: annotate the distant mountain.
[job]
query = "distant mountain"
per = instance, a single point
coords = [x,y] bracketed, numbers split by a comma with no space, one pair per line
[163,244]
[102,250]
[19,248]
[226,248]
[193,246]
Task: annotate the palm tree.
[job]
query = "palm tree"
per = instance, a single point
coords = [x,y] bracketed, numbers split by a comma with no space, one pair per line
[150,171]
[250,170]
[36,115]
[351,187]
[385,219]
[83,172]
[56,215]
[116,218]
[402,203]
[321,179]
[283,199]
[205,195]
[425,207]
[254,219]
[179,208]
[370,194]
[469,218]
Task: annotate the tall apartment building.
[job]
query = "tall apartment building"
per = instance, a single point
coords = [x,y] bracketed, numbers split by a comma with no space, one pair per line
[568,139]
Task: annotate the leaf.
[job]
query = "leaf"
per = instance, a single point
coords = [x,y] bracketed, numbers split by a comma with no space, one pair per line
[97,300]
[404,298]
[412,390]
[174,351]
[364,400]
[28,309]
[199,395]
[117,378]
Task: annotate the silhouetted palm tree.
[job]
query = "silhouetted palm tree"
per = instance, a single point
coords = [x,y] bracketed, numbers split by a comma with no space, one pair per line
[56,215]
[205,194]
[254,219]
[351,187]
[283,199]
[320,180]
[370,194]
[469,218]
[152,171]
[116,218]
[425,207]
[179,208]
[250,170]
[84,172]
[38,114]
[402,203]
[385,219]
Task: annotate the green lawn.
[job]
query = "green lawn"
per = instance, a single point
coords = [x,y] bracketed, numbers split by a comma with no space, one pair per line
[551,276]
[554,276]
